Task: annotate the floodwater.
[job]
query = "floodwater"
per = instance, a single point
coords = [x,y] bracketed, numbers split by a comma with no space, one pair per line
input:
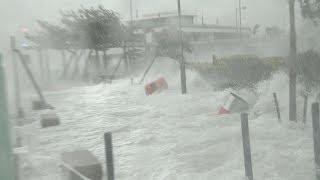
[169,136]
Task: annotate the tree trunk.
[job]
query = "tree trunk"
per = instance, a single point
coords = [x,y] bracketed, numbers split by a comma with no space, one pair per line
[126,63]
[97,63]
[41,65]
[88,62]
[292,63]
[72,56]
[105,60]
[17,89]
[48,68]
[76,65]
[64,63]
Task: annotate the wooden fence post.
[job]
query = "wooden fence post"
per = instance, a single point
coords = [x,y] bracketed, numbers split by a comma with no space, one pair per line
[109,155]
[246,146]
[277,106]
[316,137]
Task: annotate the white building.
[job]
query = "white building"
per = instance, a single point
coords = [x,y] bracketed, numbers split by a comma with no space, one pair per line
[149,25]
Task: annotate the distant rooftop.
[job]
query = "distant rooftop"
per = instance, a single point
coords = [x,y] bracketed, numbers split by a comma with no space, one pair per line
[166,14]
[161,15]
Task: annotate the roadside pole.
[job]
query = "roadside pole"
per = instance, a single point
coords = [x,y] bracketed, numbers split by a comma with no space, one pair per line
[7,169]
[17,90]
[182,60]
[292,62]
[246,146]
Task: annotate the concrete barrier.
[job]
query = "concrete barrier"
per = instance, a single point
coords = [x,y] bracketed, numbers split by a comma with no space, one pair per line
[84,162]
[49,120]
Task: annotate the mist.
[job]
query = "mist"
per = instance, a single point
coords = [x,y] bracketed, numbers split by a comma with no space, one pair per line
[106,89]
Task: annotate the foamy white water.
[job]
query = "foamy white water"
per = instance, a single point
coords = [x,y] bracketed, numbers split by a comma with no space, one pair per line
[169,136]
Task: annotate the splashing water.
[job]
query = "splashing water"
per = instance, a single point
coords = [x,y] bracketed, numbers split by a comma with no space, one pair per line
[173,136]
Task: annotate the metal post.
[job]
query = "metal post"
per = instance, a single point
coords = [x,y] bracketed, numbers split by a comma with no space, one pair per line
[182,61]
[131,12]
[305,108]
[277,106]
[20,111]
[7,169]
[109,155]
[246,146]
[240,18]
[316,137]
[293,56]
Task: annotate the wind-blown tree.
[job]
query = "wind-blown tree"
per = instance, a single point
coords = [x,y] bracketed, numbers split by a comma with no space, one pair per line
[273,32]
[130,38]
[50,36]
[310,9]
[93,28]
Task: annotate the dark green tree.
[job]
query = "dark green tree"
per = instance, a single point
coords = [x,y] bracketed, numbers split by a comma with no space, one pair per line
[94,28]
[169,44]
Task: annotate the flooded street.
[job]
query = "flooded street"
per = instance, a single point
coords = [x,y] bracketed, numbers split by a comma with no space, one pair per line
[171,136]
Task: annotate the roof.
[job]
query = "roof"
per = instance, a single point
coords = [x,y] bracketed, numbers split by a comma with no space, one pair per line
[199,28]
[161,15]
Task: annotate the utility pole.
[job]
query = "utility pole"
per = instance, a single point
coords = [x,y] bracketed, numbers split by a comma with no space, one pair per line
[202,21]
[182,61]
[240,18]
[292,62]
[20,112]
[131,38]
[131,12]
[236,19]
[7,168]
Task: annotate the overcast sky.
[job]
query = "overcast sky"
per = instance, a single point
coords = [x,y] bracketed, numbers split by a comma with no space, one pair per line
[16,14]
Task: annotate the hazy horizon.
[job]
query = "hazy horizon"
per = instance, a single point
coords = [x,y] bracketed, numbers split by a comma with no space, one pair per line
[17,14]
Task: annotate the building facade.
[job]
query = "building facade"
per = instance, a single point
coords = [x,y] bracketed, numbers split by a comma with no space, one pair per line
[149,26]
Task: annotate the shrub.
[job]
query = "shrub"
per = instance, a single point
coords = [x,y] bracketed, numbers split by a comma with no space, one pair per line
[239,71]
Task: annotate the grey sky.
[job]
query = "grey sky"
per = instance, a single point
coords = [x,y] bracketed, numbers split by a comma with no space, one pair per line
[23,13]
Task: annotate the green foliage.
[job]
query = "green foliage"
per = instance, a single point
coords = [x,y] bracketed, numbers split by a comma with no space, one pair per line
[51,36]
[169,44]
[273,32]
[86,28]
[239,71]
[310,9]
[93,28]
[309,70]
